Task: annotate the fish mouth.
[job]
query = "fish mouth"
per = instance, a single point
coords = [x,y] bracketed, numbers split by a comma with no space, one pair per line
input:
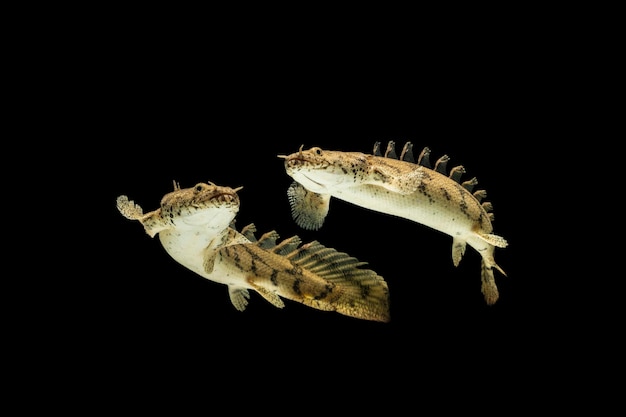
[313,181]
[296,162]
[218,200]
[296,157]
[225,198]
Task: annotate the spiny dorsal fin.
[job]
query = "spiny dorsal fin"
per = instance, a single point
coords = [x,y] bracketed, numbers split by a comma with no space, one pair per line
[376,150]
[268,240]
[440,165]
[424,158]
[457,172]
[391,150]
[407,153]
[469,184]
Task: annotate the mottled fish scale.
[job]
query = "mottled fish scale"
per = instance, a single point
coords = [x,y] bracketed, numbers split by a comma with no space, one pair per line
[196,226]
[309,276]
[397,186]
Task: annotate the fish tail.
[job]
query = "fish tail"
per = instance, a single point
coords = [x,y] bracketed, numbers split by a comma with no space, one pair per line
[488,282]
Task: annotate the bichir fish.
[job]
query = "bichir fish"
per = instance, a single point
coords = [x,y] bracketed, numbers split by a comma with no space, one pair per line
[400,186]
[196,228]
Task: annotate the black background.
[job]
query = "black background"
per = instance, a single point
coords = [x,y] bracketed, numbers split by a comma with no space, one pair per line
[438,312]
[150,111]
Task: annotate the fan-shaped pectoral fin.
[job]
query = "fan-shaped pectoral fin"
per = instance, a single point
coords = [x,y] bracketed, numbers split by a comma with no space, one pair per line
[458,250]
[308,209]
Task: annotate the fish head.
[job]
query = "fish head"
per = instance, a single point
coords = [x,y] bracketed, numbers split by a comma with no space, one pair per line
[204,204]
[323,171]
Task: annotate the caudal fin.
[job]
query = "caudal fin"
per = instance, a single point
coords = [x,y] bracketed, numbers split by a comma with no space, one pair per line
[312,274]
[359,292]
[488,287]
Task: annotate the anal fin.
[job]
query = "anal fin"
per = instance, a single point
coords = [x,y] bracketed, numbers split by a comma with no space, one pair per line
[270,296]
[495,240]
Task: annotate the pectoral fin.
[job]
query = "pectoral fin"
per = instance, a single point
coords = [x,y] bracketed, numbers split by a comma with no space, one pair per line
[239,297]
[308,209]
[152,222]
[209,260]
[402,181]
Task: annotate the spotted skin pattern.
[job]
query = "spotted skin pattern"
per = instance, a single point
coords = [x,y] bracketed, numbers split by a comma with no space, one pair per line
[196,227]
[400,187]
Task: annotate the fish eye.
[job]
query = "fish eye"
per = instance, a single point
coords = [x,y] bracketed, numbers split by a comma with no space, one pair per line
[317,151]
[199,187]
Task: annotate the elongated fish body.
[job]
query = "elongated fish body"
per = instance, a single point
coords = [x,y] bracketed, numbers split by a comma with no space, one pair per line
[397,186]
[196,228]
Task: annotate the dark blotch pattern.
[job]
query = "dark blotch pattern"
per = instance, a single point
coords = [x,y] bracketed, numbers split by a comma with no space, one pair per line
[296,286]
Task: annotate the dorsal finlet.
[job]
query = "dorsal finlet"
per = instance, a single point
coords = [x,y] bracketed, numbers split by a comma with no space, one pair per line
[440,165]
[424,158]
[176,185]
[480,194]
[390,152]
[407,153]
[248,231]
[487,206]
[376,150]
[287,245]
[469,184]
[268,240]
[457,172]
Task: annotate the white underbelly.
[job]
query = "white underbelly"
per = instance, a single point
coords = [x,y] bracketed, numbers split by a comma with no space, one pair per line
[445,218]
[191,254]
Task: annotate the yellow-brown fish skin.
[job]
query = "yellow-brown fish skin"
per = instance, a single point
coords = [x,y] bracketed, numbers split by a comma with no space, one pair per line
[195,226]
[396,187]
